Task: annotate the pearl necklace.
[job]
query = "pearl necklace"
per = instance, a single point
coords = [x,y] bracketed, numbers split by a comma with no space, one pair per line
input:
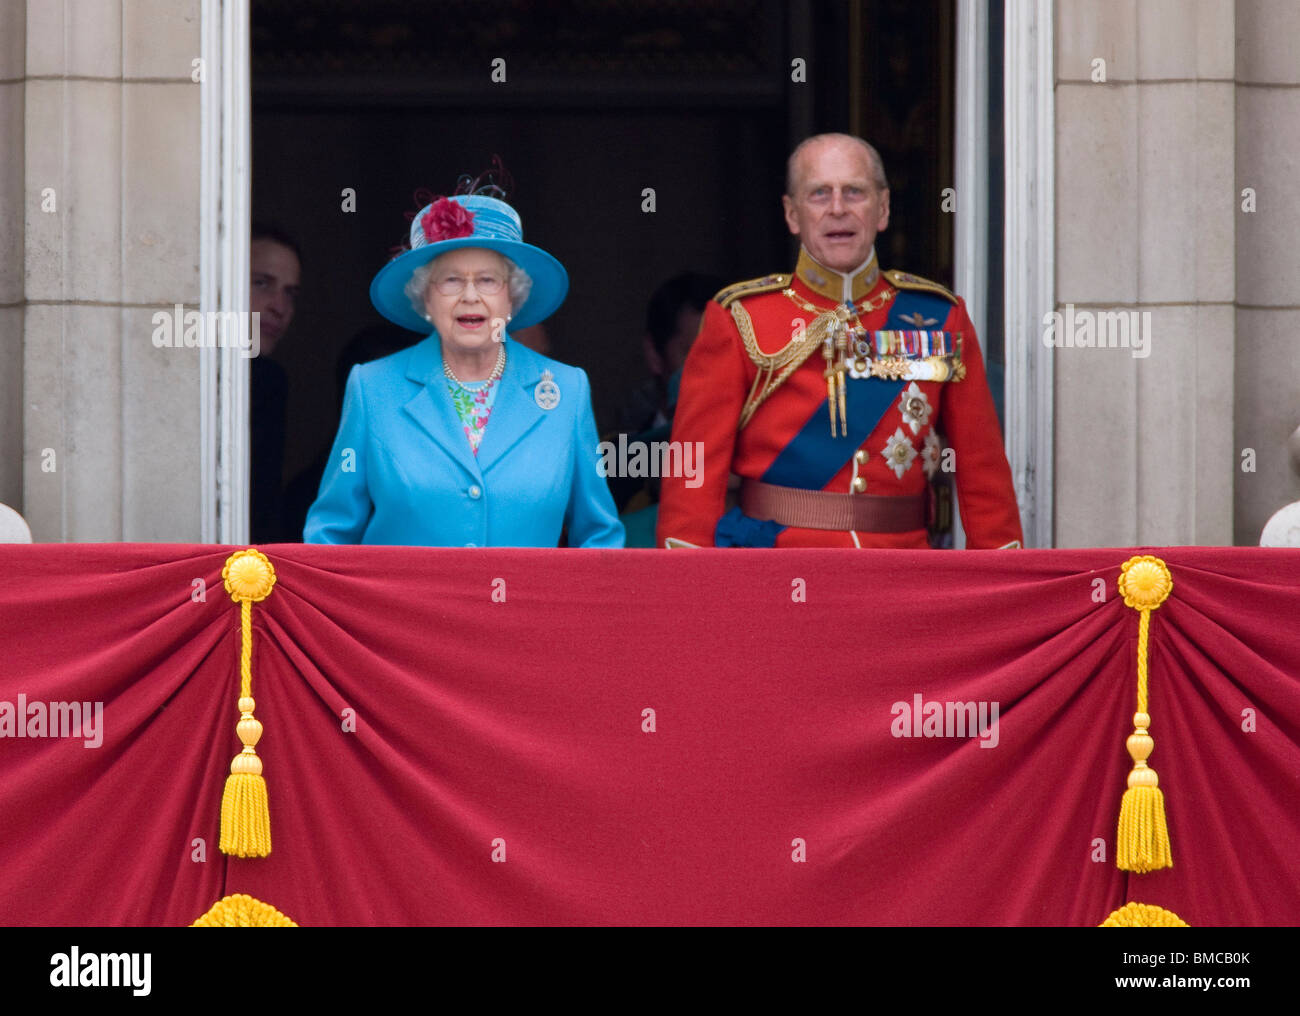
[497,371]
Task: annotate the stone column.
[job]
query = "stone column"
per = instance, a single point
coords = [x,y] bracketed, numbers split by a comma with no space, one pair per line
[1268,261]
[13,19]
[1145,218]
[111,207]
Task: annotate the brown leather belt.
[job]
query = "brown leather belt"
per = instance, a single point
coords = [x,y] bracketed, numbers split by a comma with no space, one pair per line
[820,509]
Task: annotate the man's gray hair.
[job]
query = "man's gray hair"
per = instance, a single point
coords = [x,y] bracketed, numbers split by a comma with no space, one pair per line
[877,166]
[518,282]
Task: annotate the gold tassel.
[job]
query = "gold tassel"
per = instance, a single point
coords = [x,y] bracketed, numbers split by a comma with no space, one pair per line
[828,351]
[1142,844]
[245,813]
[841,366]
[839,388]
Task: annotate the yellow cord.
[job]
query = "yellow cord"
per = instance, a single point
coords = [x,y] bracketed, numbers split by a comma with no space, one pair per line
[1142,841]
[245,811]
[1144,632]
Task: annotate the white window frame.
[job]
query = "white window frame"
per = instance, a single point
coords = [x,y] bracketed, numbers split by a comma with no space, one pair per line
[1029,231]
[1029,245]
[226,202]
[1030,257]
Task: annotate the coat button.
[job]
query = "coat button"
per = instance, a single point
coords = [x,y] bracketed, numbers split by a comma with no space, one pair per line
[859,484]
[860,456]
[474,493]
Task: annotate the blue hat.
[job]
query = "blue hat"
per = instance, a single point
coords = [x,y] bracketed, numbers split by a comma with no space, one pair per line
[491,224]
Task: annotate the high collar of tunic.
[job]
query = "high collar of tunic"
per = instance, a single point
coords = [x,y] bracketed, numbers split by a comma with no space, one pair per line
[839,287]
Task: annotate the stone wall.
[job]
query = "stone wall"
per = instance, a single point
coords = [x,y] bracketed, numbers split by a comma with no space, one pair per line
[1267,314]
[1146,221]
[105,232]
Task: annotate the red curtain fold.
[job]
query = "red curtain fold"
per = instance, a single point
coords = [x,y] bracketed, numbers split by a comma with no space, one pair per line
[486,727]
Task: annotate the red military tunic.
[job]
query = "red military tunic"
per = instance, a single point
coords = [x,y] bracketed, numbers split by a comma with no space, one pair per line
[895,457]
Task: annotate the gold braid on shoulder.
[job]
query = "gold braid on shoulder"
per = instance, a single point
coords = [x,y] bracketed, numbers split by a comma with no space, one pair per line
[786,360]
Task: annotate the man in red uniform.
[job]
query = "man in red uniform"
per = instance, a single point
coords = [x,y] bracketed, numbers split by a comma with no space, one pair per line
[825,390]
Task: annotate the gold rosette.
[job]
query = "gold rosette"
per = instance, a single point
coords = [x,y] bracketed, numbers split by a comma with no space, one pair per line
[1143,915]
[242,911]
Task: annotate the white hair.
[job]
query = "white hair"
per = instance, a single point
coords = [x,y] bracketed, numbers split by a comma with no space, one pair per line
[518,282]
[873,156]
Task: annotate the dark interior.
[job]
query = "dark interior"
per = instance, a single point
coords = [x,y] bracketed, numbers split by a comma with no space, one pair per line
[600,101]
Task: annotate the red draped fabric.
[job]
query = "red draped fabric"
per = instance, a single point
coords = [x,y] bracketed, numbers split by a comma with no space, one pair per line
[502,769]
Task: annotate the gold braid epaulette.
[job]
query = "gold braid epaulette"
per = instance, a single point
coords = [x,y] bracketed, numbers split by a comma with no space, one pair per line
[750,287]
[905,280]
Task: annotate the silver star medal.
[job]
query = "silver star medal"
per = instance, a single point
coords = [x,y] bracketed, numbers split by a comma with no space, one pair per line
[899,453]
[915,408]
[547,392]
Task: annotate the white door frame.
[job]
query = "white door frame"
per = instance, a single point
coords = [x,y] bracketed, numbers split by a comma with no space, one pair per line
[1029,230]
[1030,257]
[970,166]
[225,210]
[971,180]
[1029,245]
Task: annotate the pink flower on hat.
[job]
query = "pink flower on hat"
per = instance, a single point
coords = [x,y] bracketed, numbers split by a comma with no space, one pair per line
[447,220]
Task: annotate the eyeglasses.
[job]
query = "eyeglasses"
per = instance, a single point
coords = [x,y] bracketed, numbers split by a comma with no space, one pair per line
[454,285]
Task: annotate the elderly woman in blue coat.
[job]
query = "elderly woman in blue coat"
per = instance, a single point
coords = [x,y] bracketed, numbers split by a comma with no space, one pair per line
[466,439]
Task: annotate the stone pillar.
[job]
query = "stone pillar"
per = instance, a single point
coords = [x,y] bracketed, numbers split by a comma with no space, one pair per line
[1268,280]
[1145,219]
[111,160]
[13,19]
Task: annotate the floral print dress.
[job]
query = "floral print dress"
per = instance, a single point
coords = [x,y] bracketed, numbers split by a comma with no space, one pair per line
[473,404]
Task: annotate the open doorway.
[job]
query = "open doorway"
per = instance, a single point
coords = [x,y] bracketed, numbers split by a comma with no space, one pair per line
[644,138]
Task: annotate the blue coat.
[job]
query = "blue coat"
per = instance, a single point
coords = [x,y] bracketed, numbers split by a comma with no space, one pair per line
[402,471]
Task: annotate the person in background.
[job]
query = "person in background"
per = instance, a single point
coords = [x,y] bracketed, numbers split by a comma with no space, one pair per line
[535,337]
[371,343]
[274,277]
[672,322]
